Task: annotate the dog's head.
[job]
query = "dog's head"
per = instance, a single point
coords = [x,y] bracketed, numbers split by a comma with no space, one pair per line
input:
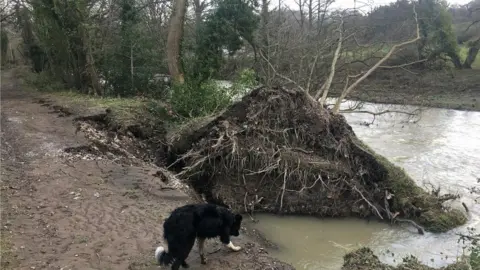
[237,223]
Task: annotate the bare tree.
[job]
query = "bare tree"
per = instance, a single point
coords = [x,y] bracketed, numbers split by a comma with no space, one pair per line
[301,10]
[350,88]
[317,63]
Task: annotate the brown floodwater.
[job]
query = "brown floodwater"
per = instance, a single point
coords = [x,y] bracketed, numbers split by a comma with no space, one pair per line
[439,147]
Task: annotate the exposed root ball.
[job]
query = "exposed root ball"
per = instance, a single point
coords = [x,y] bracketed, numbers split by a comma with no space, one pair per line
[278,151]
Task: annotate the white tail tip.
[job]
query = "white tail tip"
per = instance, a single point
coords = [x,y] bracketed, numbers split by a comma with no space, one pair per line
[159,252]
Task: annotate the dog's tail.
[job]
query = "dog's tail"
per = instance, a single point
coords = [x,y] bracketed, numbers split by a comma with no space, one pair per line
[163,257]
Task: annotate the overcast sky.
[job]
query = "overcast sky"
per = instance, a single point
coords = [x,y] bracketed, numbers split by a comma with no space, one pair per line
[370,3]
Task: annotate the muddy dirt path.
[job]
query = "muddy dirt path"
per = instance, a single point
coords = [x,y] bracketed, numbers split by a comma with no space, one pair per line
[73,211]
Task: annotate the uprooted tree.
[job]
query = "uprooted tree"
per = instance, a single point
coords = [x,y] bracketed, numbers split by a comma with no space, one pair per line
[282,151]
[279,151]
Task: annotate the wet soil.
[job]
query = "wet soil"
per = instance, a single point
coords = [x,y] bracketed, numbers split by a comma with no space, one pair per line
[81,209]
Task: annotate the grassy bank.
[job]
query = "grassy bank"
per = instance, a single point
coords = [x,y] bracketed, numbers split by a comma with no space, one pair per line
[7,258]
[153,116]
[453,89]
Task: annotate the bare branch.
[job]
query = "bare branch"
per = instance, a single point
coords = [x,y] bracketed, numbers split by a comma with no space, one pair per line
[328,83]
[404,65]
[280,75]
[311,71]
[472,24]
[380,113]
[336,109]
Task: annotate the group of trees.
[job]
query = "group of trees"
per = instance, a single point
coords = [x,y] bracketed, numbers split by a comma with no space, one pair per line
[118,47]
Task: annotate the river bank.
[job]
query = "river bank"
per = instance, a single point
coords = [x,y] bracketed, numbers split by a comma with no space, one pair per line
[68,105]
[455,89]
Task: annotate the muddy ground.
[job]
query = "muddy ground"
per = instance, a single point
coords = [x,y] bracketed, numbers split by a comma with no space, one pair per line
[80,210]
[451,89]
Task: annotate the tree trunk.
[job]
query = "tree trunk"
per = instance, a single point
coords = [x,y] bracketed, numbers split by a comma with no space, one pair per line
[302,15]
[310,14]
[264,49]
[472,54]
[174,40]
[199,7]
[455,60]
[91,71]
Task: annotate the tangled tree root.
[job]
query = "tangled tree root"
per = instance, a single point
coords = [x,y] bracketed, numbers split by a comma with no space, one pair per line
[278,151]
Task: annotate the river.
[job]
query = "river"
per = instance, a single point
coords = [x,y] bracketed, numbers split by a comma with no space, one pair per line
[438,147]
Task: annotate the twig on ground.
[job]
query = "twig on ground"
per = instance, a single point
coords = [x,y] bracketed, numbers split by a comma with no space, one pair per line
[215,251]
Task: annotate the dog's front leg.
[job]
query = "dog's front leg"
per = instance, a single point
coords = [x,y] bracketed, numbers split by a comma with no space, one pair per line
[201,250]
[231,246]
[225,239]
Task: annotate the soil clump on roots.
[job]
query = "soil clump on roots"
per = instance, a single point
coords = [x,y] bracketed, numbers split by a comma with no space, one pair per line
[278,151]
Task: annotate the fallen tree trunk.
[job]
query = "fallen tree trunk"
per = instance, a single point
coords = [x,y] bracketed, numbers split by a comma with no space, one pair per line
[279,151]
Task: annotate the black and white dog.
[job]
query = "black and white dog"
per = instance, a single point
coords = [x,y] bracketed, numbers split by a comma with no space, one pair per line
[196,221]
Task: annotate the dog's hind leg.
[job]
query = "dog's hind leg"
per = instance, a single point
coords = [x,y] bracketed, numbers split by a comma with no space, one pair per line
[179,262]
[176,264]
[201,250]
[183,253]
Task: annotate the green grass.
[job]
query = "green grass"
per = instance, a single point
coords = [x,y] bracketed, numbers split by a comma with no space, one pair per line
[124,112]
[7,260]
[381,51]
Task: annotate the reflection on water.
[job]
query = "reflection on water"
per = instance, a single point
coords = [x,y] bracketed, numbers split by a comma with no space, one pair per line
[441,149]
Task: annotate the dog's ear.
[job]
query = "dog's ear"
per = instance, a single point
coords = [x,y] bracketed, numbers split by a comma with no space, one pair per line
[238,218]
